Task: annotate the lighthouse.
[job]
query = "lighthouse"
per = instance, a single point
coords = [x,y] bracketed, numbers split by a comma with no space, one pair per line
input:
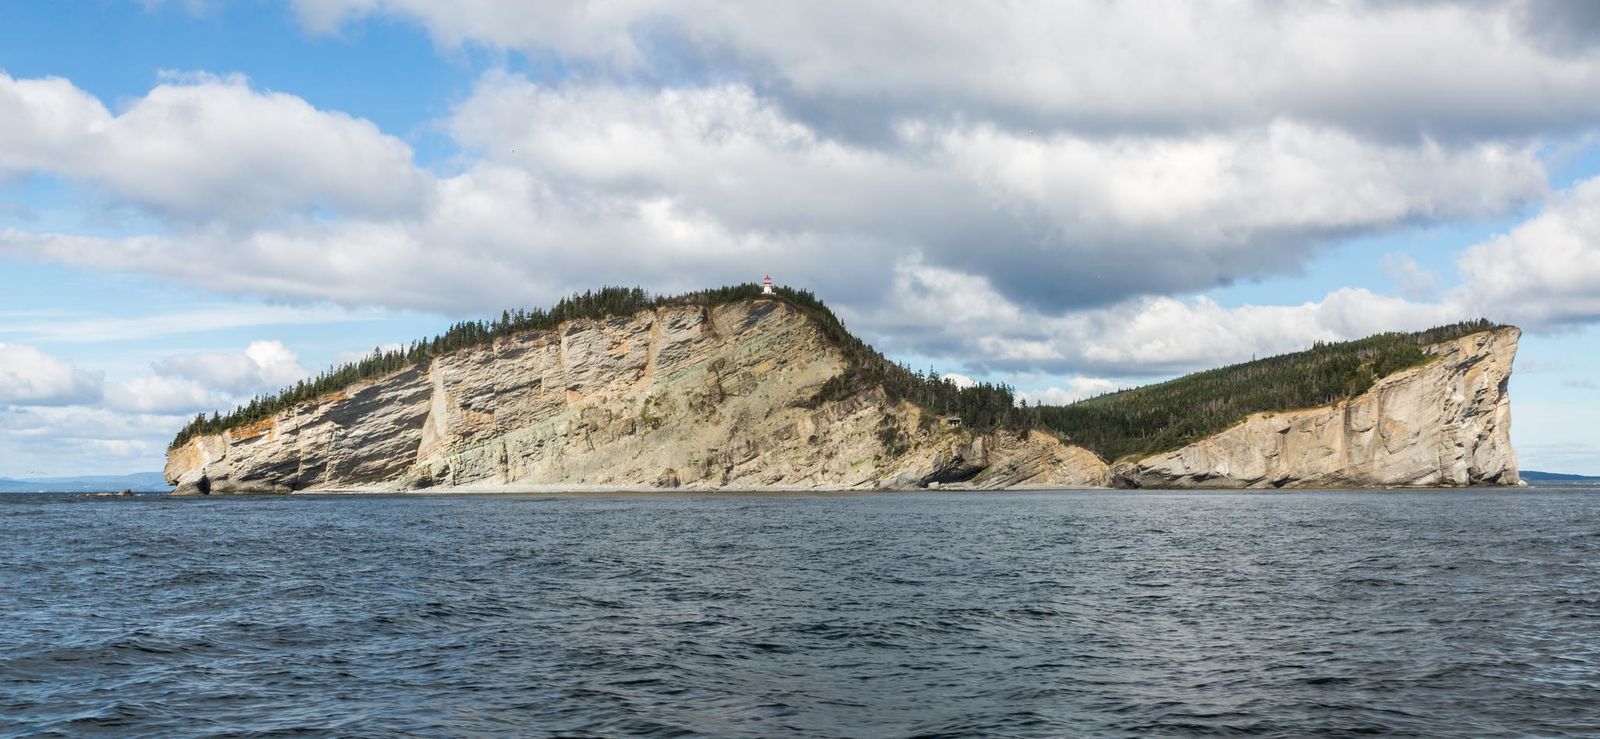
[766,286]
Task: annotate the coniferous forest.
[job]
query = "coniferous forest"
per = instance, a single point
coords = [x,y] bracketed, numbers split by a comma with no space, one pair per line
[984,406]
[1168,415]
[1143,420]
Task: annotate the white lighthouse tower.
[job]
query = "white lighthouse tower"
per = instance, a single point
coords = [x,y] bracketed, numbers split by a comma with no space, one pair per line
[766,286]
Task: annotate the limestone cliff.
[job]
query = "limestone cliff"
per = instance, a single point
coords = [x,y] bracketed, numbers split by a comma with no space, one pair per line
[1444,423]
[676,397]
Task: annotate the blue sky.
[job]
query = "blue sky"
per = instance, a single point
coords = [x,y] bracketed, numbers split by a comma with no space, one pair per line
[201,200]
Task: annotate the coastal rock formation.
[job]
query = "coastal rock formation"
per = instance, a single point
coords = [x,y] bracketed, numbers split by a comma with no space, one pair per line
[1444,423]
[686,396]
[676,397]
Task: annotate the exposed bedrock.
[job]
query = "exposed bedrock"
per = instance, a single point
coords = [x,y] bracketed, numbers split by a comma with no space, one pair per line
[686,397]
[1442,424]
[678,397]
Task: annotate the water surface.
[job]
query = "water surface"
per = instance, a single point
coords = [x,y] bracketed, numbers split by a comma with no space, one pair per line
[950,614]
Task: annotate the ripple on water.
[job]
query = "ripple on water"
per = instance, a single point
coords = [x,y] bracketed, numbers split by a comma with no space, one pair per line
[1106,614]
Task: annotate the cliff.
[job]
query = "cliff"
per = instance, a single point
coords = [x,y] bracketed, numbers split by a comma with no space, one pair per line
[675,397]
[754,394]
[1444,423]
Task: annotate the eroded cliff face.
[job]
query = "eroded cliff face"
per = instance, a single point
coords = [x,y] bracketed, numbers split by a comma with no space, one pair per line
[679,397]
[1445,423]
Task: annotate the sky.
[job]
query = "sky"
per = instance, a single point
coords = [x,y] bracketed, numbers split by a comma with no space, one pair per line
[201,201]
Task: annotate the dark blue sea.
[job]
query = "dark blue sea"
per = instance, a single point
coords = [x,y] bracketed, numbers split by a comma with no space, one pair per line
[1104,614]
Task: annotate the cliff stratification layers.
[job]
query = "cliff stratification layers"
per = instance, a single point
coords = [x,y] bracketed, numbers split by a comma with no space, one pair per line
[1445,423]
[676,397]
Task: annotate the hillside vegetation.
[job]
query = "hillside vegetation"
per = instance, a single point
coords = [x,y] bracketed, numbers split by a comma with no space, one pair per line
[1140,421]
[983,406]
[1168,415]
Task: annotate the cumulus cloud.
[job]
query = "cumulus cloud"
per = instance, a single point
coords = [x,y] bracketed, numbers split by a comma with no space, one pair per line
[262,366]
[1545,272]
[681,188]
[959,380]
[1398,69]
[1036,188]
[1137,214]
[960,317]
[50,410]
[1075,389]
[167,395]
[29,377]
[81,440]
[203,147]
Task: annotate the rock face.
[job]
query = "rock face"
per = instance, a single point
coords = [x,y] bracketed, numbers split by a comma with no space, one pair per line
[679,397]
[1445,423]
[713,398]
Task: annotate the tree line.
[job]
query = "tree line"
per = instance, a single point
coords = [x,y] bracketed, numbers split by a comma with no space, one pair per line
[1168,415]
[592,304]
[1143,420]
[984,406]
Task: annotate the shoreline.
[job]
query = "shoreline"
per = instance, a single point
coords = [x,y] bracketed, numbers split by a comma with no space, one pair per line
[642,491]
[590,489]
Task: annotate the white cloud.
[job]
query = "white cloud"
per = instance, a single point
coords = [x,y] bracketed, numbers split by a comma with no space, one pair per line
[263,366]
[202,147]
[598,29]
[50,410]
[959,380]
[678,189]
[1545,273]
[29,377]
[164,395]
[959,317]
[1076,389]
[1399,68]
[85,422]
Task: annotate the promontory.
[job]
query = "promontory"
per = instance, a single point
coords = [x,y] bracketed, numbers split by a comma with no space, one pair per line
[736,389]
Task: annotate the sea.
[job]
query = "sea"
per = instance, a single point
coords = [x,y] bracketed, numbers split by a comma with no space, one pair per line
[937,614]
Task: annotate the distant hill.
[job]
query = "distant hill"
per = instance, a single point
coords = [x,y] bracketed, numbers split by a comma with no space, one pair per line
[139,482]
[1537,476]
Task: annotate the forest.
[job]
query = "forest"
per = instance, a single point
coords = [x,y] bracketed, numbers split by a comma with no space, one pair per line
[1168,415]
[1139,421]
[983,406]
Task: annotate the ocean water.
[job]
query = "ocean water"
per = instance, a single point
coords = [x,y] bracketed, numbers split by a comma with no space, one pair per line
[1464,613]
